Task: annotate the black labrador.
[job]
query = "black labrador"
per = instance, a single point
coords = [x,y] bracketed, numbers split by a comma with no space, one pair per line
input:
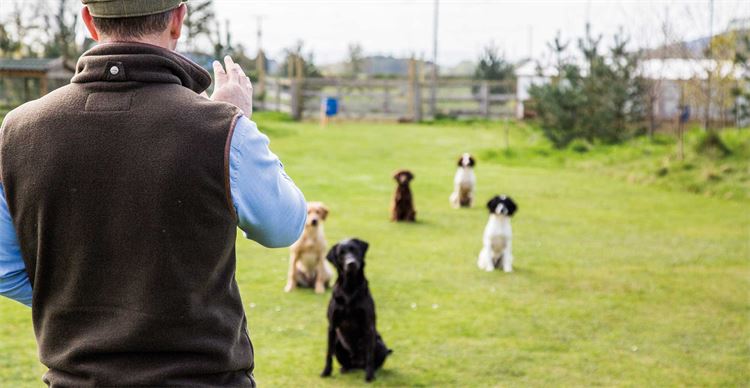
[352,336]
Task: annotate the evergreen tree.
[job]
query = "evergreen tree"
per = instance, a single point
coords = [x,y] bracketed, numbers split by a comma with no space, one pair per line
[355,62]
[600,101]
[309,70]
[493,67]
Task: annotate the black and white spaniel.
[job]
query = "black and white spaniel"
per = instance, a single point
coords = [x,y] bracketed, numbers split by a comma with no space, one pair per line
[464,182]
[498,235]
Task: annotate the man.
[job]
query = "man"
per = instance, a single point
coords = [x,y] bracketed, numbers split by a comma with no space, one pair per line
[121,197]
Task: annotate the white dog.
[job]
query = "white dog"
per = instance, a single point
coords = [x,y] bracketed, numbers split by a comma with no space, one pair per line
[464,182]
[498,235]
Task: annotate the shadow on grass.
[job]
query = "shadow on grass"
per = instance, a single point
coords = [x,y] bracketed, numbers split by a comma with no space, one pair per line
[384,376]
[418,223]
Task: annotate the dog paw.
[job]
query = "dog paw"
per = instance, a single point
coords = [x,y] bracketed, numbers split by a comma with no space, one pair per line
[288,288]
[370,377]
[320,289]
[326,372]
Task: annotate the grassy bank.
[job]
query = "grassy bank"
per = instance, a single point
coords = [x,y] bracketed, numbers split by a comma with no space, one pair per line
[645,161]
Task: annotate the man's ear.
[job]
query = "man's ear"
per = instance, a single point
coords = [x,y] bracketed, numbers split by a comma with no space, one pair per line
[331,256]
[175,24]
[363,245]
[88,20]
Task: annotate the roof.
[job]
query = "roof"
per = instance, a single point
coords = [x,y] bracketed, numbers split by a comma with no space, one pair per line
[685,69]
[668,69]
[27,64]
[51,68]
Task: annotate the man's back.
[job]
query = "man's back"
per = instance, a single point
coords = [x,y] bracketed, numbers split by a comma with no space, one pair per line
[118,188]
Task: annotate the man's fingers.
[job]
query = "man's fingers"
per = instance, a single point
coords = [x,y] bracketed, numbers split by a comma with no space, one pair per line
[219,74]
[233,69]
[247,83]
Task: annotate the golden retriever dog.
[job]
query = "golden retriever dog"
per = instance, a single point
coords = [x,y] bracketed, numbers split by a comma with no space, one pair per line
[307,263]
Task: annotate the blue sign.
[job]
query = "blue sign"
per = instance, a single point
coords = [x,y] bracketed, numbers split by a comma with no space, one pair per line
[685,114]
[331,105]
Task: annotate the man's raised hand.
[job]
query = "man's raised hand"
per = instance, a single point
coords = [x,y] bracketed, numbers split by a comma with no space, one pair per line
[233,86]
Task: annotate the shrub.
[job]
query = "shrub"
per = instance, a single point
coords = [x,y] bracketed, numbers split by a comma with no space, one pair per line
[712,145]
[580,146]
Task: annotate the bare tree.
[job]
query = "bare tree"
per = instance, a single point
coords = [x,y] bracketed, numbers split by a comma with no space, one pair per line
[355,62]
[17,31]
[198,23]
[59,28]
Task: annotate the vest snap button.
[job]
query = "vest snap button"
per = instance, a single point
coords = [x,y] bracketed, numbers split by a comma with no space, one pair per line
[114,70]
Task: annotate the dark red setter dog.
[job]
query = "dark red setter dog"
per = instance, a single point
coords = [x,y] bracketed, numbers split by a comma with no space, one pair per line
[402,207]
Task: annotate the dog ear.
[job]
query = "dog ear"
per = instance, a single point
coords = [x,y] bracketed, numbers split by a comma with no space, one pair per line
[472,162]
[460,161]
[363,245]
[332,255]
[323,212]
[397,173]
[492,203]
[409,175]
[511,205]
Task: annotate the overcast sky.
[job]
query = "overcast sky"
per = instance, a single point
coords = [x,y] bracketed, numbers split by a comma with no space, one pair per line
[402,27]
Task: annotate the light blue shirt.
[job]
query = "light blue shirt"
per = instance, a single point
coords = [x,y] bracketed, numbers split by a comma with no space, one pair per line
[270,208]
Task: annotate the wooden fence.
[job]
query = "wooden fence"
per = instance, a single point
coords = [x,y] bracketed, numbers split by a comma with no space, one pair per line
[392,99]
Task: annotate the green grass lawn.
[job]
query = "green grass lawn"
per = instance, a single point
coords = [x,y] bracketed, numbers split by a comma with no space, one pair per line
[615,284]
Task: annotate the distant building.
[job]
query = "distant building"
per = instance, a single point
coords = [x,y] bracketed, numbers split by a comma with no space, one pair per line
[671,78]
[527,75]
[30,78]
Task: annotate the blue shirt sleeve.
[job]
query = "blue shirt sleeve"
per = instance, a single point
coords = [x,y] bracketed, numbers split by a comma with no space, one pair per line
[14,282]
[270,208]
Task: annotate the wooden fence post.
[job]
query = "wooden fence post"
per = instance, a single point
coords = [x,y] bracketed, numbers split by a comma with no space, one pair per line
[298,95]
[484,103]
[386,98]
[415,92]
[278,94]
[260,66]
[340,98]
[294,98]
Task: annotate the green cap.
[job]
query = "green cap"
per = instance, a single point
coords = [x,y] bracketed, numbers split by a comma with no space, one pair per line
[129,8]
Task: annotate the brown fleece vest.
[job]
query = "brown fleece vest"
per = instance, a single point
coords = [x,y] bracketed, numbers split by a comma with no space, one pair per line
[118,188]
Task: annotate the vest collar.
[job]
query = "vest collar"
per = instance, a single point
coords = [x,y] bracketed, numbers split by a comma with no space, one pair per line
[139,62]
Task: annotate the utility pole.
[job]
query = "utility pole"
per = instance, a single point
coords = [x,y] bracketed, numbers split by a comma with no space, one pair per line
[260,60]
[433,89]
[531,41]
[229,35]
[707,114]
